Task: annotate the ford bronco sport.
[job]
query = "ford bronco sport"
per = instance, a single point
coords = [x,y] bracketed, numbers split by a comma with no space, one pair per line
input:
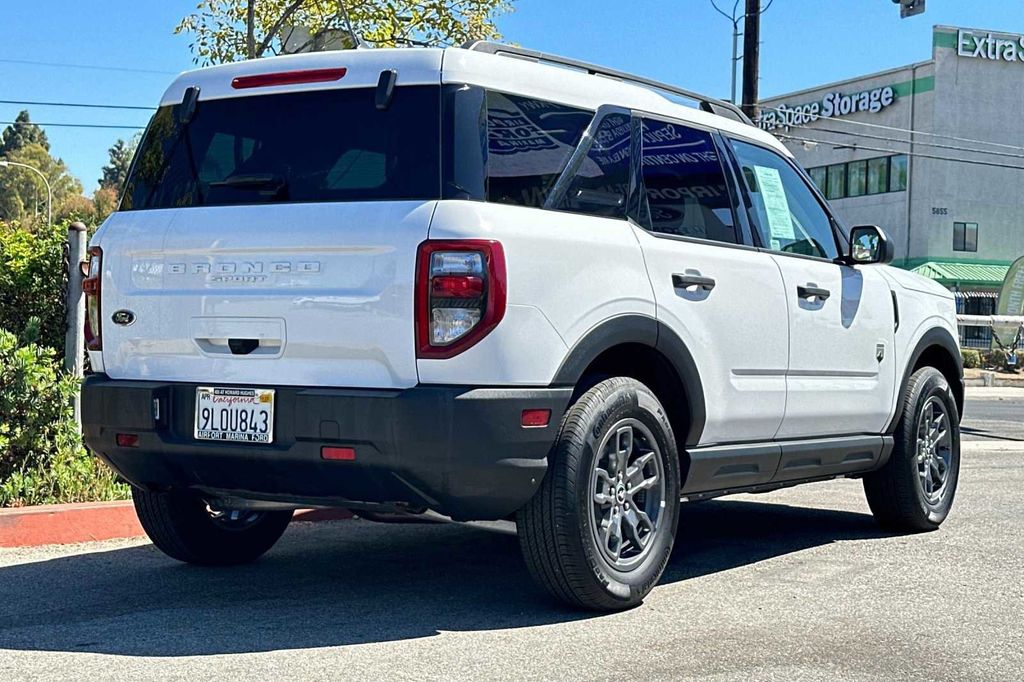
[494,284]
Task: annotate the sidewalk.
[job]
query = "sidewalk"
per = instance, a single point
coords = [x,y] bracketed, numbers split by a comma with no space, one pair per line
[65,524]
[995,392]
[977,377]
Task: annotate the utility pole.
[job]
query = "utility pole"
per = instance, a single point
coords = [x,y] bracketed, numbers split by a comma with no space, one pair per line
[751,54]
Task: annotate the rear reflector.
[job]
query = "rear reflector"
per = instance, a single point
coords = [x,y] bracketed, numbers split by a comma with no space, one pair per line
[264,80]
[127,440]
[338,454]
[533,419]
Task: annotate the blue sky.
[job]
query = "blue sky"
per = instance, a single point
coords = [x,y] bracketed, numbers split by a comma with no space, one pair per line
[804,43]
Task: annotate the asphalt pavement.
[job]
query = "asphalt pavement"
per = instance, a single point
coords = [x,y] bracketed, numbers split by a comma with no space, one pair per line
[793,585]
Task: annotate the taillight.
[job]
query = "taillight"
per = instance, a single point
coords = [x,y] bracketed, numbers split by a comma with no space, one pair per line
[460,295]
[91,286]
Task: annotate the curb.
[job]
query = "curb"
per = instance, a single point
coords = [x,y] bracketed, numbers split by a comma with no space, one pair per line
[65,524]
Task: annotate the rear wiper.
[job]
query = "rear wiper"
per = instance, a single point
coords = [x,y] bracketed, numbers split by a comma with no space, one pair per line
[264,183]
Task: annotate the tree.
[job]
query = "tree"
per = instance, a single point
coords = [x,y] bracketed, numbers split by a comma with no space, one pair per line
[21,133]
[229,30]
[104,200]
[115,173]
[23,194]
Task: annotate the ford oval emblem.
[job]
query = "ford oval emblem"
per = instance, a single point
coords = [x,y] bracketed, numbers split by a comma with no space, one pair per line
[123,317]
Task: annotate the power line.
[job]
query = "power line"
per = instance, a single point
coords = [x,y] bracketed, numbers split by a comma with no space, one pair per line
[917,154]
[72,125]
[94,67]
[907,131]
[75,104]
[938,145]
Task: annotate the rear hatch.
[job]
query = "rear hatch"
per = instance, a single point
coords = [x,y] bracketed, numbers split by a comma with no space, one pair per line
[270,236]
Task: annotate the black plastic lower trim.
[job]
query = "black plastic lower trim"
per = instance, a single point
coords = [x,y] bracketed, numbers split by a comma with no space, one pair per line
[729,468]
[456,449]
[933,337]
[646,331]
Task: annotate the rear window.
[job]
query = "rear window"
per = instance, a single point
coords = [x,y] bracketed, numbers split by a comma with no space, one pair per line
[327,145]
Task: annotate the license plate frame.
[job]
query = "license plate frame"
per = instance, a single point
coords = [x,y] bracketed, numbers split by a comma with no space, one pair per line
[246,412]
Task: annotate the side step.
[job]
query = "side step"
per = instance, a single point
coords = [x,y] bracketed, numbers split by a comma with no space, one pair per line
[748,467]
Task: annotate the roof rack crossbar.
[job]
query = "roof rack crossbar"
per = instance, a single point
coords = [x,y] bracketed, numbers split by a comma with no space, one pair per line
[709,104]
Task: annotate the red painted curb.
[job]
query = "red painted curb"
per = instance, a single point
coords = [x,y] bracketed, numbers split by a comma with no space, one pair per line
[64,524]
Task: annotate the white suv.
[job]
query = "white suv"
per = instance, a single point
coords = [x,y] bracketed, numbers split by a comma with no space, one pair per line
[494,283]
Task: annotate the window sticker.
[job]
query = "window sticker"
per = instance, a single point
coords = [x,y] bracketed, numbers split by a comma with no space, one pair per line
[776,206]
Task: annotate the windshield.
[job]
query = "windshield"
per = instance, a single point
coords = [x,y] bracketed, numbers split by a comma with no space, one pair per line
[327,145]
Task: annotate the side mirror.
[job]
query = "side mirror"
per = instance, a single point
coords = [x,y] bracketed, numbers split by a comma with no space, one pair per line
[869,244]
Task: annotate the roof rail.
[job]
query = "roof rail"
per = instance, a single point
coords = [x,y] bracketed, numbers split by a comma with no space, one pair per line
[708,104]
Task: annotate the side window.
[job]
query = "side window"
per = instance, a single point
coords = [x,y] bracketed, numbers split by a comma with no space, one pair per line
[786,213]
[600,185]
[529,142]
[684,185]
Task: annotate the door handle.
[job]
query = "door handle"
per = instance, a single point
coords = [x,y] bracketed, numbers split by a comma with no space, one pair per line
[691,281]
[809,291]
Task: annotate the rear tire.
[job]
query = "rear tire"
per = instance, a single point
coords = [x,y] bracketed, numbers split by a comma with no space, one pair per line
[599,531]
[914,491]
[182,526]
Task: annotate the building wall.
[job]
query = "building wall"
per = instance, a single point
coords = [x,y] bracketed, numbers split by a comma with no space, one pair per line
[978,99]
[951,94]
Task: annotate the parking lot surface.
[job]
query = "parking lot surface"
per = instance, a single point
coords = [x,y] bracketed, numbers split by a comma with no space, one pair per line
[792,585]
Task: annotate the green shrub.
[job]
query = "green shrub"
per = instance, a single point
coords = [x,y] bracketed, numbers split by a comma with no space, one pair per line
[32,283]
[42,459]
[972,358]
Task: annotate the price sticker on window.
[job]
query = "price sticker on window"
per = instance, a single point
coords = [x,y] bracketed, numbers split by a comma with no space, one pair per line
[776,206]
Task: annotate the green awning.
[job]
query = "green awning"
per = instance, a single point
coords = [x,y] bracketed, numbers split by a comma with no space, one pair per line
[963,274]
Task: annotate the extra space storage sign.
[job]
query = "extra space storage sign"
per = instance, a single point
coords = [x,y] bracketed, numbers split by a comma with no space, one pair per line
[832,105]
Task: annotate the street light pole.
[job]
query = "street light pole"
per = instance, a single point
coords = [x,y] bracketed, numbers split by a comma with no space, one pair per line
[49,190]
[735,19]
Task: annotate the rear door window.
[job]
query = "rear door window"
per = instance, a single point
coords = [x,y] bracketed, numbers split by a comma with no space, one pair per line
[599,184]
[326,145]
[685,188]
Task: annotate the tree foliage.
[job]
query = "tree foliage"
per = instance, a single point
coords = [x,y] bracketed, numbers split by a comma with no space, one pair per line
[22,133]
[32,283]
[115,173]
[23,194]
[222,31]
[41,455]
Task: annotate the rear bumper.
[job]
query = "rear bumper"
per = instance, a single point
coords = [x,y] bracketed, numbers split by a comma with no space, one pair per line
[458,450]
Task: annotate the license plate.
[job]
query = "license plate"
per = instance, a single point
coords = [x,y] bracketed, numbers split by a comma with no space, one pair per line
[244,415]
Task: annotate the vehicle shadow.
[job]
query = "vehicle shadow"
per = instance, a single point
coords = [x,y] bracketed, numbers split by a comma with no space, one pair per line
[352,582]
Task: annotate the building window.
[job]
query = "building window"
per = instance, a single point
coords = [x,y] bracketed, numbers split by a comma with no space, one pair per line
[836,183]
[878,175]
[898,173]
[818,176]
[857,178]
[965,236]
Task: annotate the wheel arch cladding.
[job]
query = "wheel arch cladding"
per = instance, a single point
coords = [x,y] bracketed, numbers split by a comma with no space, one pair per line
[937,348]
[644,349]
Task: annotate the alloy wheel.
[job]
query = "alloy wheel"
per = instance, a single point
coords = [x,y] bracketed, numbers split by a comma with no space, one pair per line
[628,494]
[934,449]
